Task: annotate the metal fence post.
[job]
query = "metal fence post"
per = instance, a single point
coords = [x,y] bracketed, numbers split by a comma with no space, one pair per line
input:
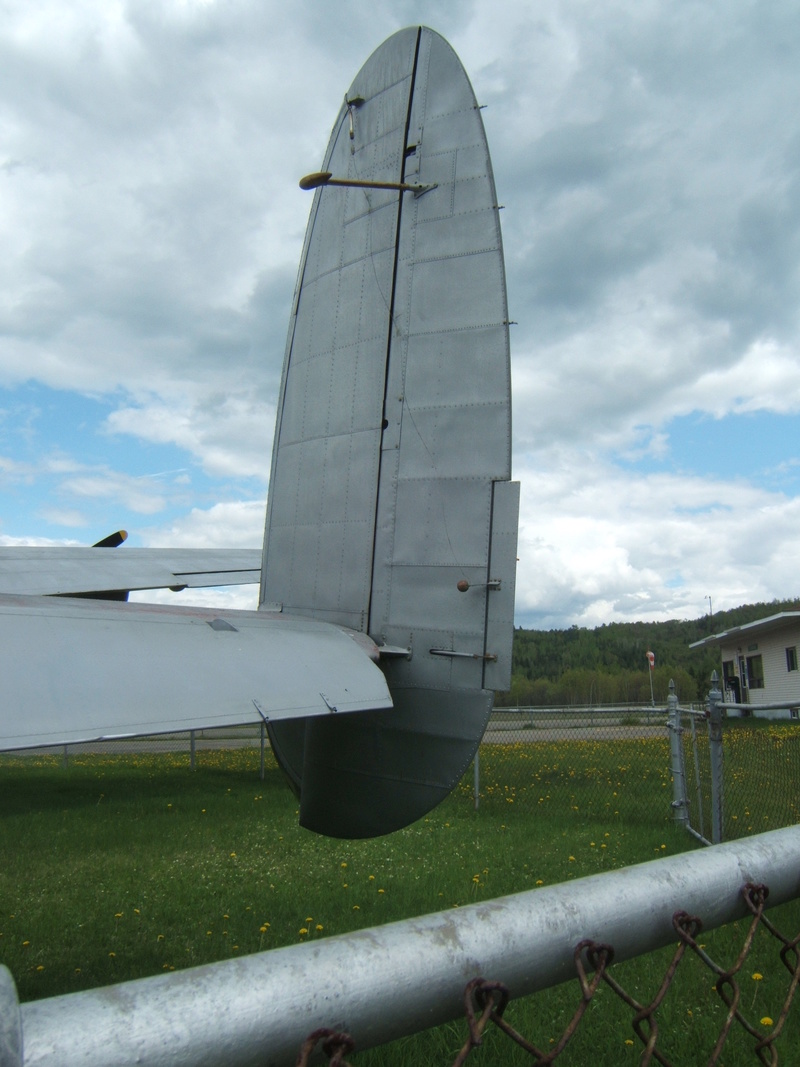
[715,756]
[192,749]
[680,807]
[476,781]
[263,743]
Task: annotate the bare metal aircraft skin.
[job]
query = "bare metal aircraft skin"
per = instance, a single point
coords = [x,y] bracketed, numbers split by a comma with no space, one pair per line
[386,601]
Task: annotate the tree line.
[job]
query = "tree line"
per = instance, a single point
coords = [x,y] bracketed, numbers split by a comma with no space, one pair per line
[608,664]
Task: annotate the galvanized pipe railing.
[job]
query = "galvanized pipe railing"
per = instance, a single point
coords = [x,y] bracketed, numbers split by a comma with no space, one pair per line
[392,980]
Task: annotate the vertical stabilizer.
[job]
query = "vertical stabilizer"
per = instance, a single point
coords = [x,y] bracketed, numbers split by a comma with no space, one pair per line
[390,507]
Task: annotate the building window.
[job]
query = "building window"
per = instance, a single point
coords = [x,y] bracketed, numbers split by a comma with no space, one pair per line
[791,659]
[755,672]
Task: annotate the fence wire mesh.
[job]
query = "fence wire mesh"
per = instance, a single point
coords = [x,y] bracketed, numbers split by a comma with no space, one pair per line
[486,1001]
[760,771]
[596,761]
[600,760]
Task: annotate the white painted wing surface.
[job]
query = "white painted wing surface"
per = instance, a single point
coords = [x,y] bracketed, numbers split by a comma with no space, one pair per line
[75,670]
[70,570]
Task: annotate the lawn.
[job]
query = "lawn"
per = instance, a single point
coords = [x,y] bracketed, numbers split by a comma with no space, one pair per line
[125,866]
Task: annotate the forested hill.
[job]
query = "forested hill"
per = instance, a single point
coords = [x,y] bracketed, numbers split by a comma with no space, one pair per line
[608,664]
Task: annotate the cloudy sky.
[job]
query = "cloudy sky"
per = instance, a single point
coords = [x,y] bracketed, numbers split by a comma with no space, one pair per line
[647,153]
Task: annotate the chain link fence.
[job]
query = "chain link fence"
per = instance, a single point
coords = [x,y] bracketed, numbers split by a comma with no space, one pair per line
[188,744]
[743,782]
[622,760]
[594,761]
[486,1001]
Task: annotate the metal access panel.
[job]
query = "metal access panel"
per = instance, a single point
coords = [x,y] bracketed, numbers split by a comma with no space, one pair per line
[503,573]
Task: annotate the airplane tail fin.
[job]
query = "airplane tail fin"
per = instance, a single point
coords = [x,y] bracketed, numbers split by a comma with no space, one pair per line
[390,507]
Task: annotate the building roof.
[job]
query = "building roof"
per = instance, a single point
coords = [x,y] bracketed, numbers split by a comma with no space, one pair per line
[749,629]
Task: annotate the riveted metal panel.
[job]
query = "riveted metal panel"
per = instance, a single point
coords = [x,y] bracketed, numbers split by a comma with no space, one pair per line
[448,377]
[84,671]
[324,483]
[64,570]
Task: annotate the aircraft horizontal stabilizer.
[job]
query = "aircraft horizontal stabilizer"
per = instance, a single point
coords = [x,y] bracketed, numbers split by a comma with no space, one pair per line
[73,571]
[76,670]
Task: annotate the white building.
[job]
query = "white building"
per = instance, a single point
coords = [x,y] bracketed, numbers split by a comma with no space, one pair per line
[760,663]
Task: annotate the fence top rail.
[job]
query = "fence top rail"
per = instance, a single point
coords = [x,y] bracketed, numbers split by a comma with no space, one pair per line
[585,709]
[778,705]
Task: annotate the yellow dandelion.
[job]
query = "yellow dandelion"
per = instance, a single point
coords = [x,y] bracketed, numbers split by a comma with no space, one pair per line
[41,968]
[262,929]
[303,931]
[766,1021]
[118,915]
[112,954]
[628,1041]
[539,881]
[318,926]
[757,977]
[344,865]
[356,907]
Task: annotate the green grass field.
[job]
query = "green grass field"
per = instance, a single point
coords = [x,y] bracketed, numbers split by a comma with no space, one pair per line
[124,866]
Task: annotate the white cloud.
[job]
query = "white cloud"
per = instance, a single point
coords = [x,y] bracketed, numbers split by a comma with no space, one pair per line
[647,157]
[231,434]
[598,545]
[238,524]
